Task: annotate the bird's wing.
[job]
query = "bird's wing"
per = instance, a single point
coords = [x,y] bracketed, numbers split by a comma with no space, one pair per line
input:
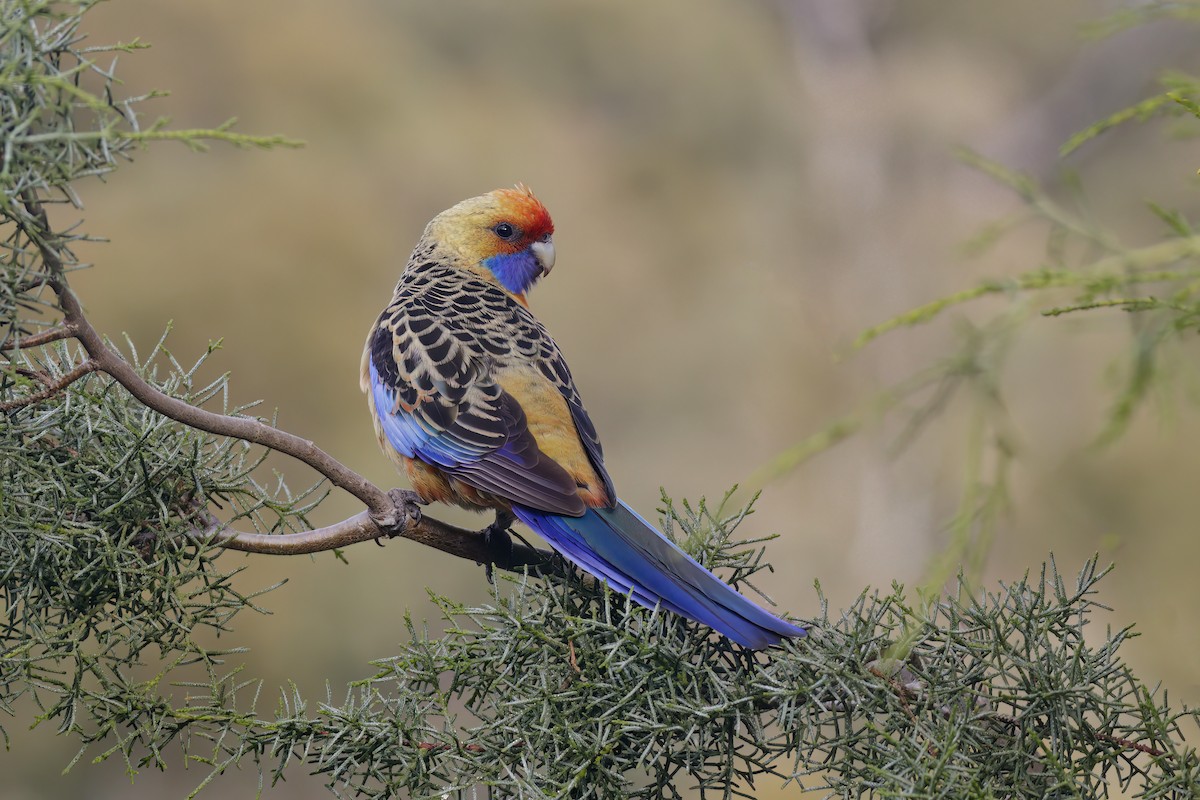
[436,394]
[553,367]
[551,419]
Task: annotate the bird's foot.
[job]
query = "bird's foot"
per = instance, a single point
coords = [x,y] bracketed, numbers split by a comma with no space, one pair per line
[405,512]
[498,540]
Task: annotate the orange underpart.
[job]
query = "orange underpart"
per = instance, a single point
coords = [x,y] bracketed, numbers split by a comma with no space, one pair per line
[428,482]
[434,485]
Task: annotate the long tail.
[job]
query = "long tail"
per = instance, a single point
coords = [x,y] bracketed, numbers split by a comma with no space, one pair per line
[620,547]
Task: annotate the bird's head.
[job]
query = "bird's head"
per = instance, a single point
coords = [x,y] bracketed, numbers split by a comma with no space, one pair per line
[506,235]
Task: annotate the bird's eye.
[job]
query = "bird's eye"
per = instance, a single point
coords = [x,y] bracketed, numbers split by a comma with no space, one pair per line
[505,231]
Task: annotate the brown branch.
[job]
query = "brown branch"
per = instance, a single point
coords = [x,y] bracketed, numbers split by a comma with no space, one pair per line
[40,338]
[53,387]
[36,374]
[434,533]
[1125,744]
[31,284]
[245,428]
[905,694]
[388,514]
[1129,744]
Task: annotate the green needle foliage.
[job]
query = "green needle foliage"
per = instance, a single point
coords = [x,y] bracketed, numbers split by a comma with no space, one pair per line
[94,487]
[572,693]
[556,688]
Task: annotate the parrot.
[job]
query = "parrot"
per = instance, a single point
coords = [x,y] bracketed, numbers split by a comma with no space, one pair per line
[473,400]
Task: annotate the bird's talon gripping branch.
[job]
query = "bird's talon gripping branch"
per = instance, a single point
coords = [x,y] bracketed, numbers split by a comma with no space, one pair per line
[410,501]
[499,541]
[404,513]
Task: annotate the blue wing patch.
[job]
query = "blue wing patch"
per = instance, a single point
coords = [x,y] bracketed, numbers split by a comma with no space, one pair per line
[489,448]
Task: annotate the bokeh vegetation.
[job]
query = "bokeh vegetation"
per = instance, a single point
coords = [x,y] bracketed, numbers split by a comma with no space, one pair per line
[782,183]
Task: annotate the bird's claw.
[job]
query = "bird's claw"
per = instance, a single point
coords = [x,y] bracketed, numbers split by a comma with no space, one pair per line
[405,512]
[498,540]
[408,501]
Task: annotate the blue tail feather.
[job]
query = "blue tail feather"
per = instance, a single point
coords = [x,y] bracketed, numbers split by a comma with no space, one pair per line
[618,546]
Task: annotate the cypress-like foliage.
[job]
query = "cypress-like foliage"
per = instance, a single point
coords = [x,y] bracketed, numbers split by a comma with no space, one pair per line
[112,462]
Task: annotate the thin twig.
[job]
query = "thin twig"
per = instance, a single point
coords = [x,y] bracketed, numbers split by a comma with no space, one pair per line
[437,747]
[1126,744]
[40,338]
[53,387]
[38,375]
[31,284]
[1131,745]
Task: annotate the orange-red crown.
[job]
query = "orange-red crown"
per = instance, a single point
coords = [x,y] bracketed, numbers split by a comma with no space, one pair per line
[526,211]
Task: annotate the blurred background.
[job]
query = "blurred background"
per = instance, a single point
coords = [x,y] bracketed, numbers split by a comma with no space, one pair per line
[739,188]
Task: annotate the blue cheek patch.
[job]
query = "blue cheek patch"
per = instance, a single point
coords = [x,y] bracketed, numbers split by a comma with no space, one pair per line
[515,271]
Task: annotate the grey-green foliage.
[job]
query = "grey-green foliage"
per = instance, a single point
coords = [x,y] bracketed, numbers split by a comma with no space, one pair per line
[566,690]
[555,689]
[93,485]
[569,692]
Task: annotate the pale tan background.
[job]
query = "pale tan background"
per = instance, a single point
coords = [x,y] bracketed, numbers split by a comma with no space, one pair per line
[739,188]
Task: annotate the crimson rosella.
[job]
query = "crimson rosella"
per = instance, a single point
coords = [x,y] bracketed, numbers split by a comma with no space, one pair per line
[471,396]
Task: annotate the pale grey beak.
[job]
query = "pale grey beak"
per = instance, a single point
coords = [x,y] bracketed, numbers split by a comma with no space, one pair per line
[543,251]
